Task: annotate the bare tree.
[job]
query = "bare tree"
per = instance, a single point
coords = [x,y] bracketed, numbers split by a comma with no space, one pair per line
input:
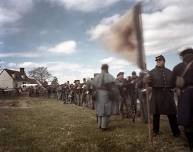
[40,73]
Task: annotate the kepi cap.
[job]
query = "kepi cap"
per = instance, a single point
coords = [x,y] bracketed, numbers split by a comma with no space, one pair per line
[160,57]
[120,73]
[186,51]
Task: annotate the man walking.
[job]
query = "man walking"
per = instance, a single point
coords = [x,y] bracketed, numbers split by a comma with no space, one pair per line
[103,83]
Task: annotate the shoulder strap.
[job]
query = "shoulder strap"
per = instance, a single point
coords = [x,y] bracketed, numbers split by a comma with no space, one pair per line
[187,67]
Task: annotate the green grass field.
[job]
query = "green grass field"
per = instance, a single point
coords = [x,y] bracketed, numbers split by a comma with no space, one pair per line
[46,125]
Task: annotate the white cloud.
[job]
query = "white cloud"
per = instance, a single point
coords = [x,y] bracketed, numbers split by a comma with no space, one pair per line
[115,63]
[170,27]
[98,31]
[107,60]
[110,20]
[167,25]
[26,54]
[104,25]
[66,47]
[85,5]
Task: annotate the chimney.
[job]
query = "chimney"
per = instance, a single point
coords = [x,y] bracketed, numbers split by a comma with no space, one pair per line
[22,71]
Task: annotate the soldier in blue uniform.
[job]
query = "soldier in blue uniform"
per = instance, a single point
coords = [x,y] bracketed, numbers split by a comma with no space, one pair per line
[133,91]
[185,99]
[121,82]
[162,101]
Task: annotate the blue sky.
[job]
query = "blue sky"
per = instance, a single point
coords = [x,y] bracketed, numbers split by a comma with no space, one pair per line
[63,34]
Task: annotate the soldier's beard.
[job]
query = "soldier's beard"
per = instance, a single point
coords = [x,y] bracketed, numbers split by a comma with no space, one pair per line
[160,65]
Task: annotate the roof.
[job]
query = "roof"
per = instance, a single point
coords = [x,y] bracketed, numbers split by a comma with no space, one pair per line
[32,81]
[18,76]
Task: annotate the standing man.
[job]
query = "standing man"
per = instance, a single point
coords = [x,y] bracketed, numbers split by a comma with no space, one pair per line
[103,83]
[185,98]
[121,82]
[83,98]
[59,92]
[90,92]
[133,91]
[162,101]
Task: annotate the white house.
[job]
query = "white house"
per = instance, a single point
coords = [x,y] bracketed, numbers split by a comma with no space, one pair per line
[10,79]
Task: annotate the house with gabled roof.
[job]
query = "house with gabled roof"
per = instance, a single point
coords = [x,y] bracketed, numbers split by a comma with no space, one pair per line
[11,79]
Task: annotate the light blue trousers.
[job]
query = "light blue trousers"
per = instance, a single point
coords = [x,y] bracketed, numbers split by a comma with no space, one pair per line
[102,121]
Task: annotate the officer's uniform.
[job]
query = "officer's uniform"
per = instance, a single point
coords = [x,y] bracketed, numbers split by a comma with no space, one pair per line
[162,101]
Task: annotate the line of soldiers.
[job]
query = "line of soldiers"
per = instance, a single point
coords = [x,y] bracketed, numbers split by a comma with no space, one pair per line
[32,91]
[124,103]
[80,94]
[119,96]
[37,91]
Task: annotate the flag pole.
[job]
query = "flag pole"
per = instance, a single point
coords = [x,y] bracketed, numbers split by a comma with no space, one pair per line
[141,62]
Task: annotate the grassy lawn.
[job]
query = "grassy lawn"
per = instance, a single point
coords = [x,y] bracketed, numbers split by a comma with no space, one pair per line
[46,125]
